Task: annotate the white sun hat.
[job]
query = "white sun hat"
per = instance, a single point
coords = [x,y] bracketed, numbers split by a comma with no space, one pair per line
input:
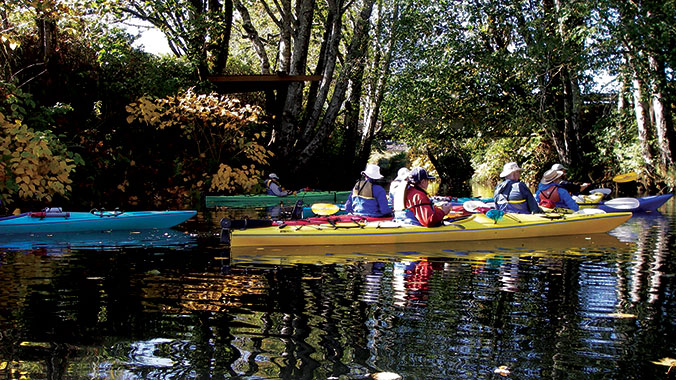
[402,174]
[372,171]
[509,168]
[550,176]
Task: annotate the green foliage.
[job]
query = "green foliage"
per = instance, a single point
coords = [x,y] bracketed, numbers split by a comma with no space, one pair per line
[528,152]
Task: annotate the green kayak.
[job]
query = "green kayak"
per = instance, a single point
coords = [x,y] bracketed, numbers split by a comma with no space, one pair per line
[265,200]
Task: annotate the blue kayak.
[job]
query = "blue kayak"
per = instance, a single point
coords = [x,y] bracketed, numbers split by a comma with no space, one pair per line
[645,204]
[55,220]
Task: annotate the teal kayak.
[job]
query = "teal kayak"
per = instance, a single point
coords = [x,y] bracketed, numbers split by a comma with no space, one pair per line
[266,200]
[55,220]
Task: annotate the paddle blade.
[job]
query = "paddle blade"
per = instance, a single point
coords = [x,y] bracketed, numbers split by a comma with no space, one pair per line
[627,177]
[623,203]
[601,190]
[325,209]
[472,206]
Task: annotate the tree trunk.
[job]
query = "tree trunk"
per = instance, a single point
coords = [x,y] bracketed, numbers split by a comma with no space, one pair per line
[220,46]
[252,34]
[355,54]
[660,114]
[290,119]
[376,89]
[284,65]
[642,125]
[197,39]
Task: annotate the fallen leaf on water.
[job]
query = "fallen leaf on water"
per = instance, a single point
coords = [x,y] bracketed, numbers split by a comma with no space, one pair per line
[667,362]
[385,376]
[502,370]
[621,315]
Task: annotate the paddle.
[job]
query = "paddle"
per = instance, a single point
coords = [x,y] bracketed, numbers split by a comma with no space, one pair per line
[324,209]
[620,178]
[622,203]
[627,177]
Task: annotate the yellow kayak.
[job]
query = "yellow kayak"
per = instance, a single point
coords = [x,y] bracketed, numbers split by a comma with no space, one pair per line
[476,227]
[587,244]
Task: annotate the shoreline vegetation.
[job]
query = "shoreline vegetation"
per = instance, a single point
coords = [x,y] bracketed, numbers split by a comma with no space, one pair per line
[89,120]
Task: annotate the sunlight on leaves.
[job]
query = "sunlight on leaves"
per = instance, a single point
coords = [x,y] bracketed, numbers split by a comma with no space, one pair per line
[503,370]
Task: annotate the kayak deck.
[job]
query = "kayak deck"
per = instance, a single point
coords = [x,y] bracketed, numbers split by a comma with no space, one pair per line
[266,200]
[42,222]
[472,228]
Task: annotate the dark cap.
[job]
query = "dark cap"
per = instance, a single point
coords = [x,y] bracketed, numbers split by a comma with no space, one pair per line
[418,174]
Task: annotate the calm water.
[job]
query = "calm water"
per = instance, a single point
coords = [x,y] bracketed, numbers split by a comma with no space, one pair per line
[175,305]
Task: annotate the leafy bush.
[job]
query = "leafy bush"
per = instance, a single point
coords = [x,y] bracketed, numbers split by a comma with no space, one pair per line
[34,165]
[224,136]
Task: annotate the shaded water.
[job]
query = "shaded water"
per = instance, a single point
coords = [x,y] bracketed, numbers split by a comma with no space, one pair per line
[174,305]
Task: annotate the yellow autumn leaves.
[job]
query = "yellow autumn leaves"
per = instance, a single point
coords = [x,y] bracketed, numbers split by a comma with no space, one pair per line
[223,133]
[34,164]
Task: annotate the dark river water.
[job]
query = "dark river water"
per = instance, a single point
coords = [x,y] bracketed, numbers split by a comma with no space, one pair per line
[174,304]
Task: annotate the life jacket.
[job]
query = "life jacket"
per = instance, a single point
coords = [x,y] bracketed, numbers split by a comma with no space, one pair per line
[407,216]
[430,204]
[269,182]
[550,196]
[363,189]
[502,201]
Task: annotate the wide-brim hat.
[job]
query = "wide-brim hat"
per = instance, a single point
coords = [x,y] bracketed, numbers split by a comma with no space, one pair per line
[418,174]
[558,167]
[402,174]
[273,176]
[551,176]
[509,168]
[372,171]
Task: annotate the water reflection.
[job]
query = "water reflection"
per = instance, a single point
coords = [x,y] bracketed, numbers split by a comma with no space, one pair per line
[582,306]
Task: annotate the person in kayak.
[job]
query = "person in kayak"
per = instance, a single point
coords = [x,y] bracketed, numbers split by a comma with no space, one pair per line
[272,186]
[572,188]
[398,185]
[368,198]
[551,194]
[419,209]
[512,195]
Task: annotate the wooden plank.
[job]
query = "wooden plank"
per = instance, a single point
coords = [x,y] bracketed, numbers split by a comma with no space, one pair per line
[264,78]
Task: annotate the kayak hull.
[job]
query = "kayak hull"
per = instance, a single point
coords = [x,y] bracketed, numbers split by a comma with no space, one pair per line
[463,250]
[646,204]
[474,228]
[266,200]
[85,221]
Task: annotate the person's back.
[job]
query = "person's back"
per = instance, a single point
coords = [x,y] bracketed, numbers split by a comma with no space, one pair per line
[368,198]
[551,194]
[512,195]
[397,189]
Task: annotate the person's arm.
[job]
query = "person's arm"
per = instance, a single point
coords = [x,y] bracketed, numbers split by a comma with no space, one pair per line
[568,200]
[380,196]
[533,206]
